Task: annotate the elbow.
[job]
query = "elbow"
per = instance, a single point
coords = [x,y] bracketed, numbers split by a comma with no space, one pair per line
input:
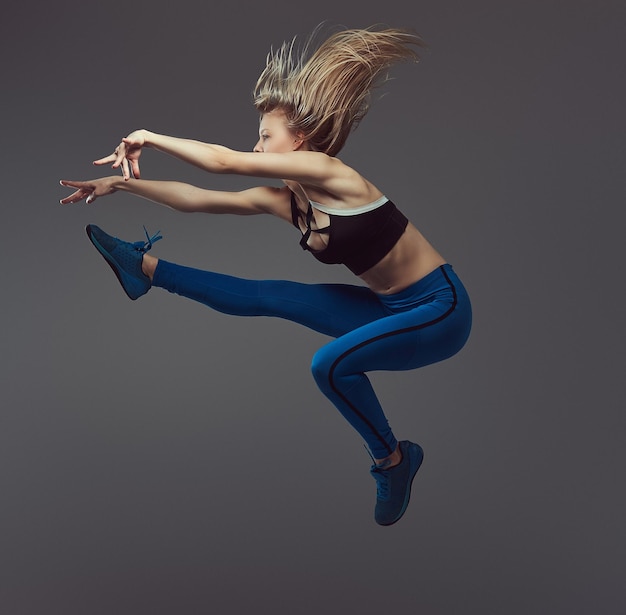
[223,169]
[225,161]
[222,164]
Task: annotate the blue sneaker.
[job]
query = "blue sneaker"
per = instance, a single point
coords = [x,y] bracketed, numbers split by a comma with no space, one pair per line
[393,485]
[125,259]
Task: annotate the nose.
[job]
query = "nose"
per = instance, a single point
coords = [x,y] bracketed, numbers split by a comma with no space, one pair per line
[257,147]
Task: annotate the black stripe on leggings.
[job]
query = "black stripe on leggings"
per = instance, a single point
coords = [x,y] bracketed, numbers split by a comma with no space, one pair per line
[380,337]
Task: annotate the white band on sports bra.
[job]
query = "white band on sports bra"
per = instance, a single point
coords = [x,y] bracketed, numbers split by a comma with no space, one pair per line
[354,211]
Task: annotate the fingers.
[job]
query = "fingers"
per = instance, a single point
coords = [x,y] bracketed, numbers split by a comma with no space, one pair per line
[71,184]
[84,190]
[125,169]
[119,158]
[105,160]
[135,168]
[77,196]
[115,159]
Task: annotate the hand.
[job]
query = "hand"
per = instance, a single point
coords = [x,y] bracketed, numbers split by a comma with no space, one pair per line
[128,151]
[89,190]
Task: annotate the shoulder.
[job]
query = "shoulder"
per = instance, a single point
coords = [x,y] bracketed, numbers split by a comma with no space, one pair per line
[307,167]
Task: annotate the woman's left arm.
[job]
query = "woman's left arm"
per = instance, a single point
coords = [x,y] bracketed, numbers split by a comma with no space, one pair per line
[302,166]
[126,154]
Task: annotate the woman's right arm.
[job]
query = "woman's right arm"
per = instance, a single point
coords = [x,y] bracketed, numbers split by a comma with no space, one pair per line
[185,197]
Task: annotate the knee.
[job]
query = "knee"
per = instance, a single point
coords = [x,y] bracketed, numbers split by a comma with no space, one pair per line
[321,366]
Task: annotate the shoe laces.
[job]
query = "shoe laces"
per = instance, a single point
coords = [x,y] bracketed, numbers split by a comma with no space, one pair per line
[144,246]
[381,476]
[382,482]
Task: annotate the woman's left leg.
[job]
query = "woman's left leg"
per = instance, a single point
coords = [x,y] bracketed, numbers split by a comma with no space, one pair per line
[432,321]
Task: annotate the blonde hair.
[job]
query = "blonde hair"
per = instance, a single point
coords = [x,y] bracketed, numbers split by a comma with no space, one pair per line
[324,89]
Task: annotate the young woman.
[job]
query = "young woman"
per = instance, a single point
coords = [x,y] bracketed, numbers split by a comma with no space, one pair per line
[412,309]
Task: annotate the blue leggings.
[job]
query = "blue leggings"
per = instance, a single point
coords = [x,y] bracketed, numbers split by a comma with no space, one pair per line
[425,323]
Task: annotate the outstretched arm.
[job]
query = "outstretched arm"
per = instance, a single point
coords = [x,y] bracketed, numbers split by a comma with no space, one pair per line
[313,168]
[185,197]
[126,154]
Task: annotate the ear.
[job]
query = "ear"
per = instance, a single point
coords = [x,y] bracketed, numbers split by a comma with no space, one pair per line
[298,141]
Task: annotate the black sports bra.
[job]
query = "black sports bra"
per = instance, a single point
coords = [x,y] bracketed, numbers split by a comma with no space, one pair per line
[358,238]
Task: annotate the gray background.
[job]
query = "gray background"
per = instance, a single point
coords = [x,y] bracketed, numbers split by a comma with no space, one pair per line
[156,457]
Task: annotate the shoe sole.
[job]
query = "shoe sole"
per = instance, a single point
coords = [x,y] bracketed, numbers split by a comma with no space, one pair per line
[416,456]
[110,263]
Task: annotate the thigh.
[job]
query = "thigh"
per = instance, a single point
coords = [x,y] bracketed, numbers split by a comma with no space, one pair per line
[332,309]
[421,336]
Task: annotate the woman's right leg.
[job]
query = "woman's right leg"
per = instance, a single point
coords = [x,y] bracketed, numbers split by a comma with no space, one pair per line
[331,309]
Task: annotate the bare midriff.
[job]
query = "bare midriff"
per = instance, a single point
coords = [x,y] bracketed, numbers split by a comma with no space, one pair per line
[411,259]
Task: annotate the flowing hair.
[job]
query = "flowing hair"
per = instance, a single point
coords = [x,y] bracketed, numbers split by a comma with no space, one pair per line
[324,89]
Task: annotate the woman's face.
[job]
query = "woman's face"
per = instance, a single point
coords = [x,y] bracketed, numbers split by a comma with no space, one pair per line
[275,136]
